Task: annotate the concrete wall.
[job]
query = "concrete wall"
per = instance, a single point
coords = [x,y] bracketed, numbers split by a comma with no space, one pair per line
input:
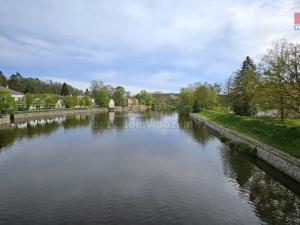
[30,115]
[5,120]
[280,160]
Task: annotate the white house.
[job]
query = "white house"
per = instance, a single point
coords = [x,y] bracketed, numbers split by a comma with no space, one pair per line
[93,101]
[111,105]
[60,104]
[18,96]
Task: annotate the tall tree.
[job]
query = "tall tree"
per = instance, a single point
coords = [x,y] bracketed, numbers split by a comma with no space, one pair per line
[119,95]
[244,87]
[17,82]
[274,66]
[225,98]
[102,98]
[145,98]
[185,99]
[206,95]
[291,78]
[29,99]
[87,92]
[196,106]
[3,79]
[96,86]
[64,90]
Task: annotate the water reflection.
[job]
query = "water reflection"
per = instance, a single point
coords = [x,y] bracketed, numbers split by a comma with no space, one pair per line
[199,133]
[108,121]
[135,168]
[274,201]
[45,126]
[36,127]
[28,130]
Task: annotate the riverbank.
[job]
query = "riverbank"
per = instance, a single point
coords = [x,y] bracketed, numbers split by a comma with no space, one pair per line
[284,137]
[5,120]
[40,114]
[277,158]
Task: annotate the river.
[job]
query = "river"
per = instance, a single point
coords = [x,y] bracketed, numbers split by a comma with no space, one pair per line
[135,168]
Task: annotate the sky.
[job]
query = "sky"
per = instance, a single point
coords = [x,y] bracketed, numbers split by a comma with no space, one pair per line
[140,44]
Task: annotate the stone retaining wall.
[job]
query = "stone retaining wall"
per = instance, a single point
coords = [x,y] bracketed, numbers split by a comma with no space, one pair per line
[4,120]
[280,160]
[30,115]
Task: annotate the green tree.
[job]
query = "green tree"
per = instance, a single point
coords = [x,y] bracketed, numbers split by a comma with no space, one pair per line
[118,96]
[196,106]
[3,79]
[64,90]
[7,103]
[225,99]
[244,86]
[102,98]
[145,98]
[187,109]
[17,82]
[69,101]
[38,102]
[186,98]
[86,100]
[50,100]
[87,92]
[206,95]
[29,99]
[272,93]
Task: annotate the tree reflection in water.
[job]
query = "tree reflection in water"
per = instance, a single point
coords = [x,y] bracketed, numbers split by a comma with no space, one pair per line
[199,133]
[37,127]
[275,201]
[102,122]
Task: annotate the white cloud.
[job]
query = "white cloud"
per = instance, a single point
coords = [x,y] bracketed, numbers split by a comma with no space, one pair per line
[82,85]
[163,42]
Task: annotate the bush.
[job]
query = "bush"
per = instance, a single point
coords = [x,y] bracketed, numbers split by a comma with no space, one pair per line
[196,107]
[242,147]
[223,139]
[187,109]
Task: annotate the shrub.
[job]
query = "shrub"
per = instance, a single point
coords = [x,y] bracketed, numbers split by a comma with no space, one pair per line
[241,147]
[223,139]
[187,109]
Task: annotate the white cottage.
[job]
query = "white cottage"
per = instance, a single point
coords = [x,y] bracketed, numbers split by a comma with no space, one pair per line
[60,104]
[93,101]
[111,105]
[18,96]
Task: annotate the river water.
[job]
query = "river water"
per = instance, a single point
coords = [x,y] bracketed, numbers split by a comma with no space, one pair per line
[135,168]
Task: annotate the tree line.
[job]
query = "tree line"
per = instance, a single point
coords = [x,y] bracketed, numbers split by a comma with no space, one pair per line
[273,84]
[34,85]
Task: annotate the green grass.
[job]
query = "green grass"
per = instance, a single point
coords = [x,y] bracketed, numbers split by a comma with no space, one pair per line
[283,136]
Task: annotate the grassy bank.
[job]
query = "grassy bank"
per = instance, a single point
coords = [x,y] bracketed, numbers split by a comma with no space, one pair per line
[283,136]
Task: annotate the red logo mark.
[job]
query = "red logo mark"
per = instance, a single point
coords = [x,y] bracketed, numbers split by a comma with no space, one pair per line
[297,18]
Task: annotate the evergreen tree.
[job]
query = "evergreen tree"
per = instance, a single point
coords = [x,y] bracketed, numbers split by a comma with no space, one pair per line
[244,86]
[3,80]
[87,92]
[64,90]
[196,106]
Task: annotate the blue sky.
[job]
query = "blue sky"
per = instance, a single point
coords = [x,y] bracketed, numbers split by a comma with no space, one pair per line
[141,44]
